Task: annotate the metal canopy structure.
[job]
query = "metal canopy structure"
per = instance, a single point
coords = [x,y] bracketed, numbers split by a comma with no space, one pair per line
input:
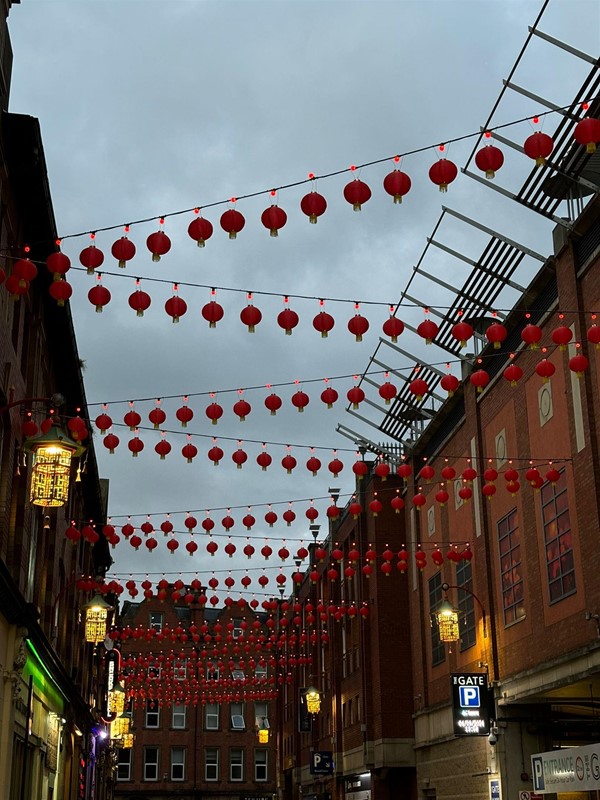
[557,193]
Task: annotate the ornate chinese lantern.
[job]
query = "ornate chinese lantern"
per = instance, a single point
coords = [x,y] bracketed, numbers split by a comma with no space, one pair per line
[393,327]
[358,325]
[273,402]
[52,452]
[450,383]
[562,336]
[300,400]
[442,173]
[356,193]
[447,621]
[232,222]
[287,319]
[139,301]
[531,335]
[99,296]
[60,291]
[123,250]
[419,388]
[462,332]
[212,312]
[323,323]
[159,244]
[96,616]
[427,330]
[538,146]
[250,316]
[587,133]
[513,373]
[479,379]
[397,184]
[313,205]
[91,258]
[496,333]
[489,160]
[578,364]
[273,218]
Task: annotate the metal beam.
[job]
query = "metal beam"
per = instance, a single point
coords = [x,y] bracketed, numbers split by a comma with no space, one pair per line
[527,250]
[459,293]
[536,97]
[421,362]
[567,47]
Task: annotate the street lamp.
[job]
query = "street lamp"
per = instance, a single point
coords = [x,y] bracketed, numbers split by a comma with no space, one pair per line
[447,616]
[96,617]
[52,453]
[313,700]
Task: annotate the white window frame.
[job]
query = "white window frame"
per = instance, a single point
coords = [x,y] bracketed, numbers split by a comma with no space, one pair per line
[175,765]
[238,674]
[236,768]
[237,716]
[123,751]
[153,711]
[179,710]
[211,711]
[211,768]
[212,674]
[261,715]
[154,672]
[180,663]
[154,764]
[261,672]
[237,630]
[156,624]
[261,767]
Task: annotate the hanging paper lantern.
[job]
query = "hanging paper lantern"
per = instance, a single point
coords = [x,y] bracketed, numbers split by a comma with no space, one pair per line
[442,173]
[450,383]
[375,507]
[532,476]
[271,518]
[333,512]
[531,335]
[212,313]
[356,193]
[15,287]
[419,500]
[489,490]
[313,465]
[335,466]
[442,497]
[25,270]
[60,291]
[250,316]
[189,451]
[157,417]
[355,509]
[448,473]
[139,301]
[462,332]
[215,454]
[511,474]
[437,557]
[553,475]
[184,414]
[323,323]
[329,396]
[393,327]
[419,388]
[287,319]
[176,307]
[593,335]
[242,408]
[426,473]
[513,374]
[289,516]
[300,400]
[264,460]
[136,446]
[404,471]
[289,463]
[99,296]
[578,364]
[273,402]
[200,230]
[397,503]
[587,133]
[382,470]
[465,493]
[538,146]
[214,412]
[103,422]
[273,218]
[562,336]
[490,474]
[358,325]
[387,391]
[360,468]
[397,184]
[91,258]
[313,205]
[427,330]
[111,442]
[479,379]
[163,448]
[123,250]
[232,222]
[489,160]
[355,396]
[469,474]
[159,244]
[496,333]
[512,487]
[132,419]
[58,265]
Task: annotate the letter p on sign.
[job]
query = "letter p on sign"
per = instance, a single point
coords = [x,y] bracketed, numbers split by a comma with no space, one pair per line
[469,696]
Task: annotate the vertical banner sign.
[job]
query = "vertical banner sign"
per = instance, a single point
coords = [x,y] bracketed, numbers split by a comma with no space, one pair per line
[470,710]
[111,668]
[304,718]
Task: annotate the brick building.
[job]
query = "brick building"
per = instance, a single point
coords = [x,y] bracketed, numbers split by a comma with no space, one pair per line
[48,684]
[202,681]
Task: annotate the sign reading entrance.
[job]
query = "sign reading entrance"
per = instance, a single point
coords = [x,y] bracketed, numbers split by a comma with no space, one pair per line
[470,704]
[574,769]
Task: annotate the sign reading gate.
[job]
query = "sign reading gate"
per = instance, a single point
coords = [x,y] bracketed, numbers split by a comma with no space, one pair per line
[470,704]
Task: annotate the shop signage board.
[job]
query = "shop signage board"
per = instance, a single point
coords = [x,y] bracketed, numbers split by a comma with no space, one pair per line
[470,711]
[321,762]
[495,789]
[574,769]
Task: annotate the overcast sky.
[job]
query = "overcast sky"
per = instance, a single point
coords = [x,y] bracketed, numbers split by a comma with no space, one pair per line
[149,107]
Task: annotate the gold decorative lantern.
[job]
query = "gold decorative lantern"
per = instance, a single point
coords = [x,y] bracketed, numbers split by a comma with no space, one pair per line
[96,616]
[126,741]
[447,620]
[51,474]
[120,727]
[263,735]
[116,700]
[313,700]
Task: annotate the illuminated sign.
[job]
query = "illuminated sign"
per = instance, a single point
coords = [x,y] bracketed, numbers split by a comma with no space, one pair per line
[470,699]
[576,769]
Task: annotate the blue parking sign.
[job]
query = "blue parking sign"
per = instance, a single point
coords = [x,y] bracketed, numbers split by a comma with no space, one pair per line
[469,696]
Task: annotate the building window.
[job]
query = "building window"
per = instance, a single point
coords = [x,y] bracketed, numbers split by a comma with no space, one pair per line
[236,764]
[261,715]
[211,764]
[237,628]
[261,672]
[511,573]
[157,620]
[151,763]
[152,714]
[178,763]
[238,674]
[237,716]
[466,605]
[211,716]
[212,674]
[179,718]
[154,672]
[260,765]
[558,539]
[438,651]
[180,669]
[124,764]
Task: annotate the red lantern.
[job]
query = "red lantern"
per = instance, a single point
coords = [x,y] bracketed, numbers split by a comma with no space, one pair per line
[132,419]
[159,244]
[136,446]
[358,325]
[329,396]
[387,391]
[356,193]
[404,471]
[189,451]
[490,474]
[538,146]
[419,388]
[239,457]
[250,316]
[232,222]
[263,460]
[562,336]
[273,218]
[465,493]
[469,474]
[513,373]
[462,332]
[496,333]
[215,454]
[360,468]
[200,230]
[212,313]
[163,448]
[442,497]
[287,319]
[511,474]
[323,323]
[99,296]
[91,258]
[397,503]
[313,205]
[288,462]
[111,442]
[60,291]
[375,507]
[335,466]
[553,475]
[578,364]
[593,335]
[300,400]
[355,509]
[271,518]
[289,516]
[15,287]
[450,383]
[479,379]
[58,265]
[184,414]
[242,408]
[489,490]
[176,307]
[157,417]
[426,473]
[214,412]
[427,330]
[103,422]
[123,250]
[25,270]
[382,470]
[442,173]
[139,301]
[419,500]
[355,396]
[531,335]
[587,133]
[313,465]
[273,402]
[489,160]
[393,327]
[397,183]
